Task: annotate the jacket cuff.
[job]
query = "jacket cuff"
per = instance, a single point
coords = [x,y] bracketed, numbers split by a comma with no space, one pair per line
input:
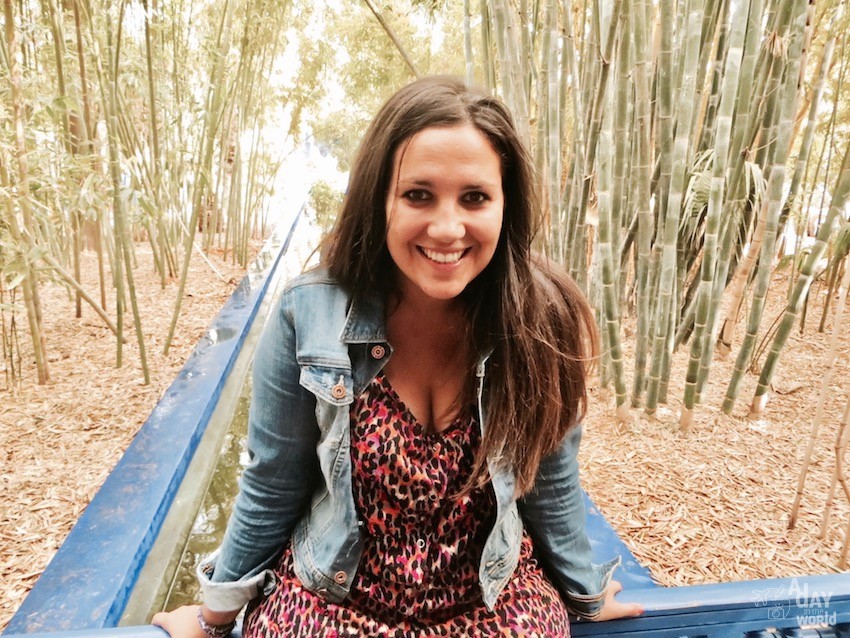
[234,595]
[589,606]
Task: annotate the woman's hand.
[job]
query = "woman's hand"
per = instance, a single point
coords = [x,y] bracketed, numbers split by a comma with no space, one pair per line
[183,621]
[612,608]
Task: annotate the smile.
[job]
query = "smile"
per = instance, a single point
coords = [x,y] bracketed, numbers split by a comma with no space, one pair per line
[443,258]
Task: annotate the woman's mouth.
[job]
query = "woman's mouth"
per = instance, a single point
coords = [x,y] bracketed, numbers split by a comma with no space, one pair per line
[443,257]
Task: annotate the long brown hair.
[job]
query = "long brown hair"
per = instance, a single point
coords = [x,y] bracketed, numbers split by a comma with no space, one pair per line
[528,312]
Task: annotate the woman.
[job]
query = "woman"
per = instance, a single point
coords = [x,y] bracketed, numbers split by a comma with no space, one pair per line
[414,425]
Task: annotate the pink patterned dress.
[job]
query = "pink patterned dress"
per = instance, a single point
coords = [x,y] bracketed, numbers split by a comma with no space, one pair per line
[418,575]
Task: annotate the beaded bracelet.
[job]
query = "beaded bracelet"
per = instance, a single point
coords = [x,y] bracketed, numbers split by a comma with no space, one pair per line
[215,631]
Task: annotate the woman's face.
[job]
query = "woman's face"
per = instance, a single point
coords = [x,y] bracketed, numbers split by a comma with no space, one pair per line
[444,210]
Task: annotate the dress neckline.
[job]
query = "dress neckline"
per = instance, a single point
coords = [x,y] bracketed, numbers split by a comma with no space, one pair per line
[460,422]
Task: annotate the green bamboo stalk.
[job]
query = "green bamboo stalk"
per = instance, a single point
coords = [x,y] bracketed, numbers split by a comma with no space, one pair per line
[770,213]
[527,68]
[825,389]
[124,260]
[714,19]
[738,152]
[578,254]
[836,264]
[663,124]
[681,146]
[641,172]
[841,194]
[487,47]
[738,284]
[59,57]
[607,265]
[701,340]
[558,236]
[392,36]
[29,284]
[549,105]
[774,202]
[622,143]
[804,153]
[215,108]
[509,50]
[467,43]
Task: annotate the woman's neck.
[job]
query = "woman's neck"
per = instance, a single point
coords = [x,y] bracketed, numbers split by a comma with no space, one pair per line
[430,318]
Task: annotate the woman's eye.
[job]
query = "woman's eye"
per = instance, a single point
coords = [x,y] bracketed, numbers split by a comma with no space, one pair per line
[475,197]
[417,196]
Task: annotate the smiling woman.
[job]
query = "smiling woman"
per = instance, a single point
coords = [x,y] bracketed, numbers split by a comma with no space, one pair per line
[413,431]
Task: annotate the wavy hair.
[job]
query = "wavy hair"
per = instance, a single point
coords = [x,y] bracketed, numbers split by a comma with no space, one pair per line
[525,311]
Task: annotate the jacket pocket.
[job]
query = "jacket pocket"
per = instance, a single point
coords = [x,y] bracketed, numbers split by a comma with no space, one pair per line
[332,385]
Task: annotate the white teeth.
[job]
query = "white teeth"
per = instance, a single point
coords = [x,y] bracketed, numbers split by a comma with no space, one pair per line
[443,258]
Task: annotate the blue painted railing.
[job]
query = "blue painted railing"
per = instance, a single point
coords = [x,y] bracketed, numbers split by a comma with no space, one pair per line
[746,609]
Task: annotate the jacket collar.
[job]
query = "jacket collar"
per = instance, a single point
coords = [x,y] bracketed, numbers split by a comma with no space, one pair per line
[365,322]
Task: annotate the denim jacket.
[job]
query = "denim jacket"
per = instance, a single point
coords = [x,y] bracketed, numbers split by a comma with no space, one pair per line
[317,353]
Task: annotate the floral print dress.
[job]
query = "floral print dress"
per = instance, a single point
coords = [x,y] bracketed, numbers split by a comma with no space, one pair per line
[418,575]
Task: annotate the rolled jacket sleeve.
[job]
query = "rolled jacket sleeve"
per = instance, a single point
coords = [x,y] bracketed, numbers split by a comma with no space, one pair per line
[554,514]
[276,486]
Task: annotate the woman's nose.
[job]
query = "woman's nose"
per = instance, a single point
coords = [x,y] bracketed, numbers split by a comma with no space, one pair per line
[447,224]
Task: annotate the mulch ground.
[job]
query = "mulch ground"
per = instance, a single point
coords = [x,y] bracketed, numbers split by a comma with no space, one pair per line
[706,506]
[713,505]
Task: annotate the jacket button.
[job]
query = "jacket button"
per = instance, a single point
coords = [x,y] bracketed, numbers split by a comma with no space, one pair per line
[378,352]
[340,577]
[338,391]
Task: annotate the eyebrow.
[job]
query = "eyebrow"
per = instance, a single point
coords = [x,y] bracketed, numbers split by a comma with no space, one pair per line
[429,184]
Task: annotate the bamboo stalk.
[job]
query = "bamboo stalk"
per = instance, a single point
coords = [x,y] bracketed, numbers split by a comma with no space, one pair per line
[29,285]
[701,339]
[841,437]
[578,254]
[392,36]
[75,284]
[467,43]
[841,193]
[487,47]
[121,231]
[681,146]
[641,173]
[215,108]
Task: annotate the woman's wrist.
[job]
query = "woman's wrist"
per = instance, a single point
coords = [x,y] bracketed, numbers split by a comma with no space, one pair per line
[216,624]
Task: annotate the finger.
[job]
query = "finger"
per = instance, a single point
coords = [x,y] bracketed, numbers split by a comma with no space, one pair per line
[615,610]
[634,609]
[158,618]
[615,587]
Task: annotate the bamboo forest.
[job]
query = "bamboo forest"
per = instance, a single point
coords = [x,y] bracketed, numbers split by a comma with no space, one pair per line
[692,159]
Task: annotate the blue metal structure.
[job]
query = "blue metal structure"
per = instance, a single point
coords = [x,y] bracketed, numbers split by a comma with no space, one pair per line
[84,590]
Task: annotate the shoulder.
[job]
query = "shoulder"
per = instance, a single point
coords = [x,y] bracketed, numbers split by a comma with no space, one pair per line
[317,277]
[315,304]
[315,286]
